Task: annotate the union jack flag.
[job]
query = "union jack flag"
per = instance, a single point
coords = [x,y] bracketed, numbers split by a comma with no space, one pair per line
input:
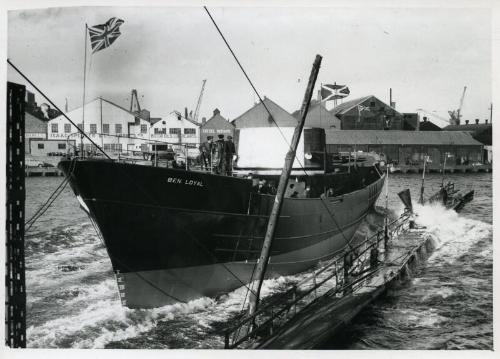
[102,36]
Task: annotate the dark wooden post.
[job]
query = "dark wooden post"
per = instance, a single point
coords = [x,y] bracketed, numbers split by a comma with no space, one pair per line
[15,289]
[280,193]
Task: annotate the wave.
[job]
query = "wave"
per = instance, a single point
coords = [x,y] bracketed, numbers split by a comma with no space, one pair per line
[454,234]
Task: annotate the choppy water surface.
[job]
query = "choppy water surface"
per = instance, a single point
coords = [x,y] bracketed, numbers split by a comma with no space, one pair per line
[73,299]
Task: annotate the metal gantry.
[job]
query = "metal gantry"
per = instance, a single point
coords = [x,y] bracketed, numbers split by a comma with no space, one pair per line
[15,288]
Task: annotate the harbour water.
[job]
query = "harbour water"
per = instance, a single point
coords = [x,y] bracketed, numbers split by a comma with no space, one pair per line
[447,303]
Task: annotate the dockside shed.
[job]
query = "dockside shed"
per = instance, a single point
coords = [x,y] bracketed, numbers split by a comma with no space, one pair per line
[257,116]
[409,147]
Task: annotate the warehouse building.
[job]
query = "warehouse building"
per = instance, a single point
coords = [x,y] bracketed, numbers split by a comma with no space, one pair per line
[180,132]
[319,117]
[42,147]
[482,132]
[109,125]
[34,129]
[369,113]
[216,125]
[426,125]
[257,116]
[409,148]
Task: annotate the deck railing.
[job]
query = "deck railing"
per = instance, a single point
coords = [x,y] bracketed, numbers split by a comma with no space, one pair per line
[341,275]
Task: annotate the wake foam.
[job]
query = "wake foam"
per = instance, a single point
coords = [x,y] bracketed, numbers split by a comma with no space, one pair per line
[454,235]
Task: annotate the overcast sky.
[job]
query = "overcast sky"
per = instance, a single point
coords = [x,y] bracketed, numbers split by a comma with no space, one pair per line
[426,55]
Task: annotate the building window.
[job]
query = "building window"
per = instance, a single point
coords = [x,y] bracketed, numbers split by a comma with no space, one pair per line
[55,128]
[80,126]
[61,146]
[144,128]
[93,128]
[372,104]
[116,147]
[107,146]
[159,131]
[105,128]
[41,146]
[174,131]
[118,128]
[190,131]
[67,128]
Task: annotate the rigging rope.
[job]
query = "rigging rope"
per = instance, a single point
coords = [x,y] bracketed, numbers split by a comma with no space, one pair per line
[348,244]
[100,149]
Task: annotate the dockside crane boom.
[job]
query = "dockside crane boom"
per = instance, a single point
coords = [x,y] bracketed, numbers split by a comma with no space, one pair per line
[134,106]
[197,111]
[455,114]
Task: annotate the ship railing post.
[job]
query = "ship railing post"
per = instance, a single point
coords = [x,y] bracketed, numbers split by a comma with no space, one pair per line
[294,300]
[347,265]
[336,274]
[315,284]
[386,237]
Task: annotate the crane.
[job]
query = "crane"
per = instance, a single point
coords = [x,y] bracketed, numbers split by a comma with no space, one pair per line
[197,111]
[137,107]
[455,114]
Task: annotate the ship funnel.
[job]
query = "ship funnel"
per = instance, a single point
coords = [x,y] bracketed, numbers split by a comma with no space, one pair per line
[406,199]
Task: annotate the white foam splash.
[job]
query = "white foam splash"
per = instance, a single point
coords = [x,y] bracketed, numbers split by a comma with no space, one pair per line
[454,234]
[107,321]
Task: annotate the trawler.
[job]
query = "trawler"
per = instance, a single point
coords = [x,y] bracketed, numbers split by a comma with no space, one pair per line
[174,235]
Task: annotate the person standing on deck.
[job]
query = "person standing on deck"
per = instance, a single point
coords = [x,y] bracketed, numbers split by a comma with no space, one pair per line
[218,160]
[205,151]
[230,151]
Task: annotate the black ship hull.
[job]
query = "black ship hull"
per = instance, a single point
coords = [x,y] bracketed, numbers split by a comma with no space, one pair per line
[175,235]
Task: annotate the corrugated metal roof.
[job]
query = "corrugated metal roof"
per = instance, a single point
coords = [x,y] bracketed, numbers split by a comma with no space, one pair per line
[257,116]
[346,106]
[469,127]
[374,137]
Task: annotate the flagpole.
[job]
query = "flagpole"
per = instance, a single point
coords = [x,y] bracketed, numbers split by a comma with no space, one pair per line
[84,83]
[335,94]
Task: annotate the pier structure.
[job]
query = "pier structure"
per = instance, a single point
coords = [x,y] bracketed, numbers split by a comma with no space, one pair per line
[330,313]
[430,168]
[316,308]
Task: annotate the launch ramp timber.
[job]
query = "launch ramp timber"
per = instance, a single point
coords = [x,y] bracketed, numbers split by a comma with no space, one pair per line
[316,308]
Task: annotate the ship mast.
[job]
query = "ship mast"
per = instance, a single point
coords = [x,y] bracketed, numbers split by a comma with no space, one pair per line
[285,174]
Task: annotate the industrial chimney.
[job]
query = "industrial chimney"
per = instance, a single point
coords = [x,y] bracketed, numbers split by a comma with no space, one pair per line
[477,121]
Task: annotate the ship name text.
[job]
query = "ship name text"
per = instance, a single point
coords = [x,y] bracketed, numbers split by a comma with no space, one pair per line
[184,181]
